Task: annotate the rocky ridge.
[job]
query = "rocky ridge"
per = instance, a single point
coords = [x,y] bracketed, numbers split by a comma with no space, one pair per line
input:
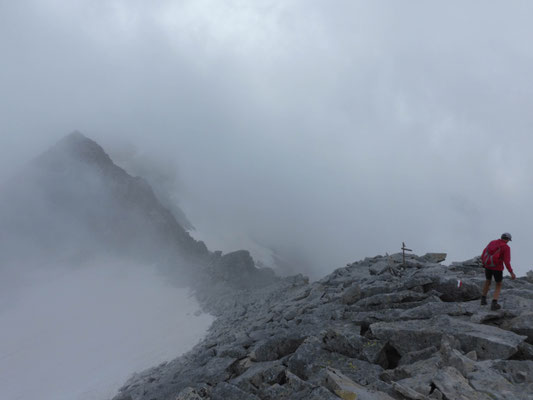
[73,204]
[375,329]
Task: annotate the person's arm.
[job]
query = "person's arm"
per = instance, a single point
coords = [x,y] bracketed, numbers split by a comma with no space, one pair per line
[507,260]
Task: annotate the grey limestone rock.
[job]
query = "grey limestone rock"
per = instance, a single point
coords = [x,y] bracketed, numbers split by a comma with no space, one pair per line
[276,348]
[408,392]
[506,380]
[386,300]
[473,263]
[381,267]
[434,257]
[347,389]
[523,325]
[414,335]
[415,356]
[453,385]
[352,294]
[225,391]
[410,332]
[239,270]
[454,358]
[455,289]
[189,393]
[297,389]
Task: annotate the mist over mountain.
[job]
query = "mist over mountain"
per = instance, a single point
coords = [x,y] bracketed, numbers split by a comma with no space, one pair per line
[78,332]
[382,327]
[343,130]
[161,173]
[74,205]
[228,136]
[96,271]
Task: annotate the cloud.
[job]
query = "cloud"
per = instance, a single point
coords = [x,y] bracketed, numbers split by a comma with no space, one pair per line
[81,333]
[338,131]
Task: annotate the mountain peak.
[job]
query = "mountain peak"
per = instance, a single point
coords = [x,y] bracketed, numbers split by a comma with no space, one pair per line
[76,135]
[80,147]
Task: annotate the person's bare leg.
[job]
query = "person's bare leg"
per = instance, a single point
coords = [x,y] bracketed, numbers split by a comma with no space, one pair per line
[486,288]
[497,290]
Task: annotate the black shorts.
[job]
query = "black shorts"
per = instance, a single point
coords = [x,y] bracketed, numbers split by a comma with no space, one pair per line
[498,275]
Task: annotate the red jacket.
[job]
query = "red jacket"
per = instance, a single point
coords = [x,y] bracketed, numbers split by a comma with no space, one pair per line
[505,257]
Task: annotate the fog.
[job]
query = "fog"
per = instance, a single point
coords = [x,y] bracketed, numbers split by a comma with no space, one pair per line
[312,132]
[94,275]
[80,333]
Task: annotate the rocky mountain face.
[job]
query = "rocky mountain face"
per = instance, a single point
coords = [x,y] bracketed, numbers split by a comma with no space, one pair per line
[375,329]
[73,204]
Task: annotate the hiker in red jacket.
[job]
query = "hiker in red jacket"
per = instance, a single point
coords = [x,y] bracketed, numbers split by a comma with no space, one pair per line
[494,256]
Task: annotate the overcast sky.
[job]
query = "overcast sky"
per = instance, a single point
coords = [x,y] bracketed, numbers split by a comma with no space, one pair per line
[327,130]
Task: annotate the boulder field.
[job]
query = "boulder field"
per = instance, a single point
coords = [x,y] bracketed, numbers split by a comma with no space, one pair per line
[376,329]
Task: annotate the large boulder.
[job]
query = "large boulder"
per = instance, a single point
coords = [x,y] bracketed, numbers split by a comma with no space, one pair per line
[386,300]
[455,386]
[356,346]
[456,289]
[189,393]
[523,325]
[309,361]
[225,391]
[489,342]
[380,267]
[276,348]
[506,380]
[351,294]
[294,388]
[347,389]
[238,269]
[433,257]
[437,307]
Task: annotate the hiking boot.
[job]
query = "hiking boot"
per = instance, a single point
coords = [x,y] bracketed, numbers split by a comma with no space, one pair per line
[495,306]
[483,300]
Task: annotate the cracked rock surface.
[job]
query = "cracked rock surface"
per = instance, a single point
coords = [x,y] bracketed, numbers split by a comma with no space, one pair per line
[375,329]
